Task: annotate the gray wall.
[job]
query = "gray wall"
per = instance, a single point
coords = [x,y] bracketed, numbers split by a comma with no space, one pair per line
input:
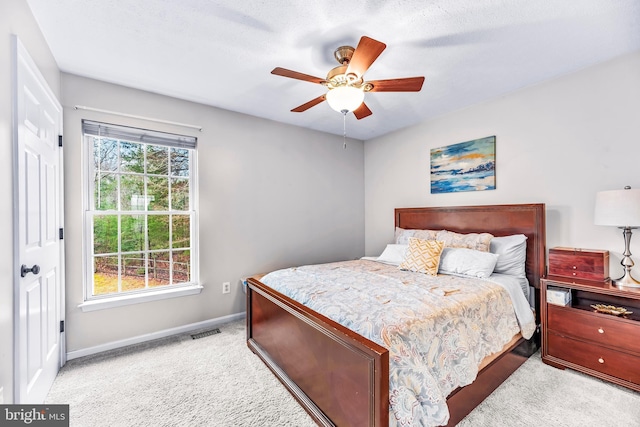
[15,18]
[271,196]
[558,143]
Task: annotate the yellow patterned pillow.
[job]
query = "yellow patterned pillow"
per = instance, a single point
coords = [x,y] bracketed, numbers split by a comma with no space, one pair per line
[422,256]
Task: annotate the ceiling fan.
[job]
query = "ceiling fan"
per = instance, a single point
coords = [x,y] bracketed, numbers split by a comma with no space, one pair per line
[346,84]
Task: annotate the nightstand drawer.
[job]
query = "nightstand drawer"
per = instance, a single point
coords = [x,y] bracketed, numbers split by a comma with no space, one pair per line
[590,326]
[597,358]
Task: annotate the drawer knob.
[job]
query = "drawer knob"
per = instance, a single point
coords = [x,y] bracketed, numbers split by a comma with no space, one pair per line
[574,273]
[601,330]
[601,360]
[574,267]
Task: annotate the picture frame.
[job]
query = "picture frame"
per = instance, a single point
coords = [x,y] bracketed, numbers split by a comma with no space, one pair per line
[465,166]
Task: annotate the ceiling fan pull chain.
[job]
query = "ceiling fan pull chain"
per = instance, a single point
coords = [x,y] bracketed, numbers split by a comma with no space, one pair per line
[344,127]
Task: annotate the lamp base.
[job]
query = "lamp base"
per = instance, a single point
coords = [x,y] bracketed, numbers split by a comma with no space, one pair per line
[626,281]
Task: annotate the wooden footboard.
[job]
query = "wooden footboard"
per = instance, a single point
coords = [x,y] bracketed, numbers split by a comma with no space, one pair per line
[339,377]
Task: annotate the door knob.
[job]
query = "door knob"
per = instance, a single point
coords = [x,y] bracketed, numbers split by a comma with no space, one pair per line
[24,270]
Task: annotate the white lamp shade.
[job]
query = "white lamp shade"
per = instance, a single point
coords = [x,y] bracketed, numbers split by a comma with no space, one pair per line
[619,208]
[345,98]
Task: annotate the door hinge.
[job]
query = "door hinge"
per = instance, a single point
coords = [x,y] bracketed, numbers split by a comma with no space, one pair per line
[62,326]
[61,233]
[59,140]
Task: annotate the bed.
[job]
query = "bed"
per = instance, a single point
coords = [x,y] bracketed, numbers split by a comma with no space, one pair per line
[342,378]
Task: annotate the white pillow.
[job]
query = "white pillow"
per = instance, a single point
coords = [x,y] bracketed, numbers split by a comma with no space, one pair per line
[393,254]
[468,262]
[513,254]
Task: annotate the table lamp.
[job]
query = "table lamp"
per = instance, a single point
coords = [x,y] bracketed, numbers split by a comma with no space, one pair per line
[620,208]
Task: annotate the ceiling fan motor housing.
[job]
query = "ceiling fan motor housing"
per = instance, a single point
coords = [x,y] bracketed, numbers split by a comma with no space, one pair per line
[338,76]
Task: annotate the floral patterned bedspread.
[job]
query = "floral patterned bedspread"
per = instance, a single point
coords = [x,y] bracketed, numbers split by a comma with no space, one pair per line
[437,329]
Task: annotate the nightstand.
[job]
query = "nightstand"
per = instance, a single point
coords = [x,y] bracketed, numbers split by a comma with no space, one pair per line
[575,336]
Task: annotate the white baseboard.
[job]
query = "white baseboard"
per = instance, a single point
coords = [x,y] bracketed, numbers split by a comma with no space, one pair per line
[211,323]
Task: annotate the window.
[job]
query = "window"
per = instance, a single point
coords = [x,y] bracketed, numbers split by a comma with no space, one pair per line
[140,210]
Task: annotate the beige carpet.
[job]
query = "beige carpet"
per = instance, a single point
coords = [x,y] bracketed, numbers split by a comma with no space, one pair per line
[217,381]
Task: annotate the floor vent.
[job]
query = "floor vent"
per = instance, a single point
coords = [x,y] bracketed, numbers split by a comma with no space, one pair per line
[205,333]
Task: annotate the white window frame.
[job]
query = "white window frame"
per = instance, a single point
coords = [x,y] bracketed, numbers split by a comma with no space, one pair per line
[136,135]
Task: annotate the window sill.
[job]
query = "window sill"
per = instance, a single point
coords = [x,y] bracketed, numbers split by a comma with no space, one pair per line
[122,300]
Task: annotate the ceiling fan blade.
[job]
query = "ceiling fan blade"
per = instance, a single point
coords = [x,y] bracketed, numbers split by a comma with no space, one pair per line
[307,105]
[362,111]
[296,75]
[367,51]
[409,84]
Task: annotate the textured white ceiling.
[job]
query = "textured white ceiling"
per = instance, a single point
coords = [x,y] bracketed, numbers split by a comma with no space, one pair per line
[221,52]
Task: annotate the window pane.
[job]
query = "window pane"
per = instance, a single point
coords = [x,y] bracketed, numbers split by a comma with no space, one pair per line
[181,266]
[105,234]
[105,188]
[179,162]
[132,233]
[158,232]
[131,157]
[139,210]
[133,272]
[158,192]
[105,155]
[105,275]
[157,160]
[181,231]
[179,194]
[159,269]
[132,193]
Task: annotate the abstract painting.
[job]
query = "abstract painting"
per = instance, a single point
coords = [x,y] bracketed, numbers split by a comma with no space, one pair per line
[466,166]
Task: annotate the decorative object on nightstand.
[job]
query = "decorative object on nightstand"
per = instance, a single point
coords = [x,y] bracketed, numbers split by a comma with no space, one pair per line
[577,263]
[620,208]
[558,296]
[611,309]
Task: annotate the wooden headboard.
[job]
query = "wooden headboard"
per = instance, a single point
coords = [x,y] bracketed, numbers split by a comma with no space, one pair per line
[499,220]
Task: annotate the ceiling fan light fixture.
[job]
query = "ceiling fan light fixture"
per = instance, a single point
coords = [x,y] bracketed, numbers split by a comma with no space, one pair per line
[345,84]
[345,98]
